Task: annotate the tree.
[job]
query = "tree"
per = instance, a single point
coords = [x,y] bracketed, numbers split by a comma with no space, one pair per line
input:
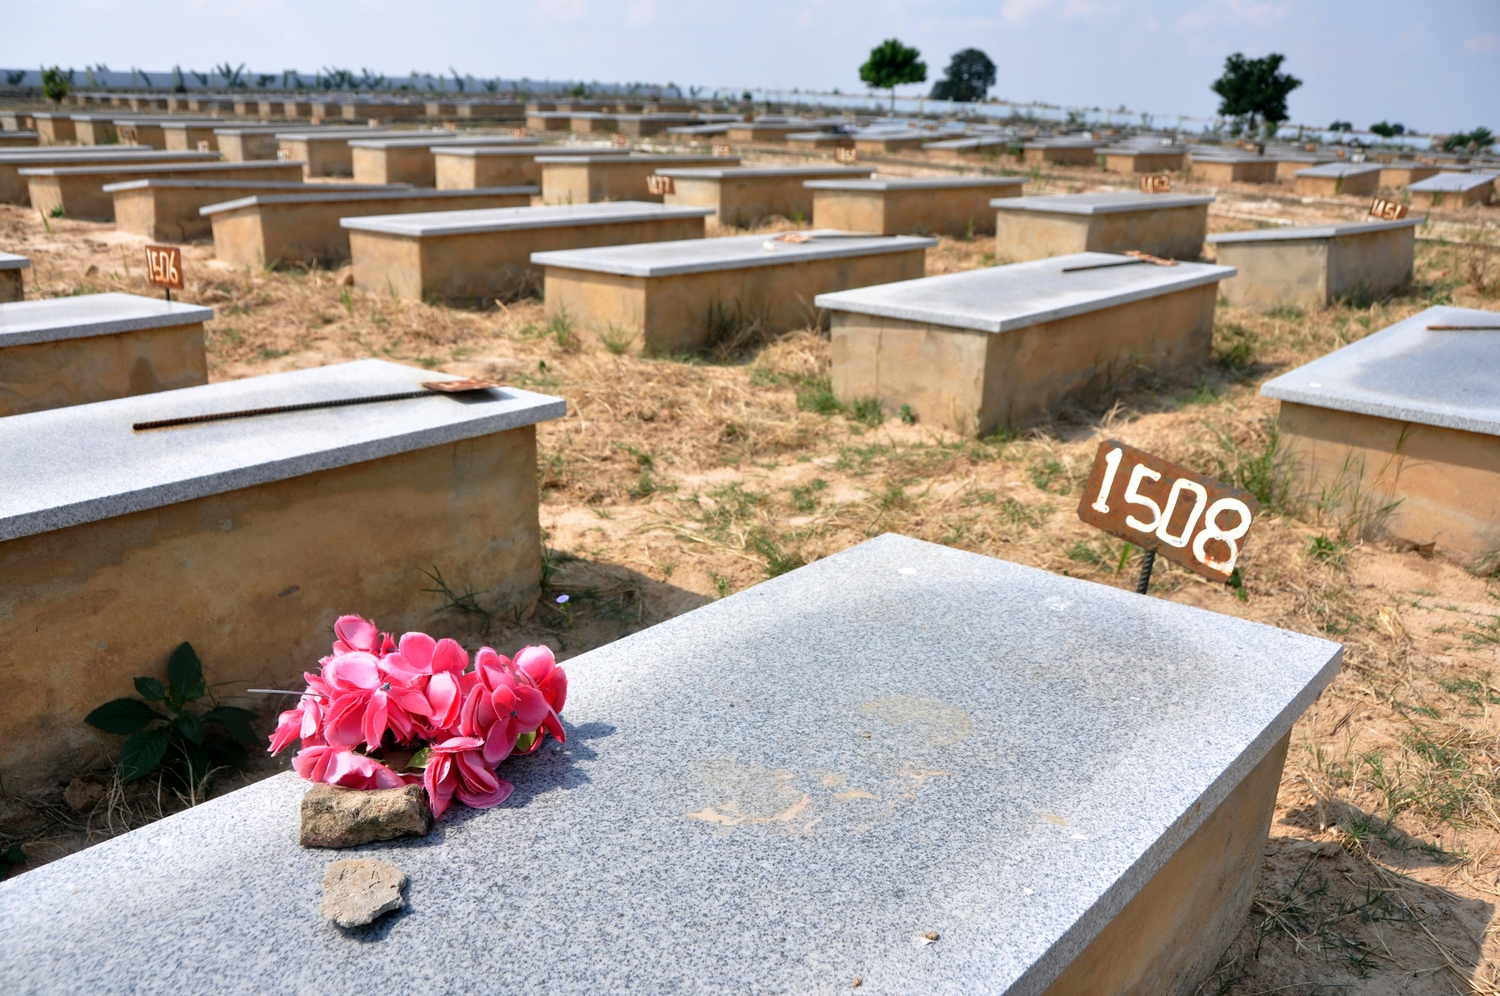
[892,64]
[1254,88]
[1475,141]
[1388,130]
[1341,126]
[969,76]
[56,84]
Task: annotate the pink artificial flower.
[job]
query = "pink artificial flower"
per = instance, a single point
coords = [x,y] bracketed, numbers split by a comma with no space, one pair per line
[304,723]
[502,705]
[432,667]
[456,767]
[540,666]
[344,768]
[357,634]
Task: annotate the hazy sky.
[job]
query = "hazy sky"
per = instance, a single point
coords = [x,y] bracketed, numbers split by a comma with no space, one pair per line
[1430,64]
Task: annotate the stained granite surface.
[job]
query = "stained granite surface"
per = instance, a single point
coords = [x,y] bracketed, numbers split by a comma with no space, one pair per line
[1002,298]
[916,183]
[342,192]
[438,223]
[1112,202]
[734,252]
[81,464]
[10,261]
[1453,182]
[57,318]
[1410,373]
[776,793]
[1334,231]
[1340,169]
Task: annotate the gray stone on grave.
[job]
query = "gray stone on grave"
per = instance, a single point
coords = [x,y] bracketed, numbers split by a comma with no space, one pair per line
[1409,414]
[12,288]
[974,142]
[462,167]
[467,254]
[1005,345]
[782,791]
[1456,188]
[742,196]
[667,292]
[927,205]
[1311,266]
[68,351]
[1167,225]
[243,537]
[1335,178]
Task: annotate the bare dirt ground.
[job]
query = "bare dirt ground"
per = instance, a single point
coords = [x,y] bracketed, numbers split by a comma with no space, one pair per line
[676,481]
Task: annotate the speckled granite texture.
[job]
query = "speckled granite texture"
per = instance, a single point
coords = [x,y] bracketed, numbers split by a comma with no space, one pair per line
[1453,182]
[52,319]
[84,463]
[775,793]
[1113,202]
[1002,298]
[350,192]
[1409,373]
[10,261]
[733,252]
[1294,232]
[436,223]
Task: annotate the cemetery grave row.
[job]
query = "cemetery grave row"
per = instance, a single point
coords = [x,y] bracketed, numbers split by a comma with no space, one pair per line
[265,515]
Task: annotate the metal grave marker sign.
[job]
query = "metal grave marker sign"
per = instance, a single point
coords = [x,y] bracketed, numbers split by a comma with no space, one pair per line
[1164,508]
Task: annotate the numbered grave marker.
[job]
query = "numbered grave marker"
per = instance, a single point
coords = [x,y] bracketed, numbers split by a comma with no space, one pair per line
[846,156]
[284,155]
[1156,183]
[203,147]
[373,122]
[128,135]
[164,268]
[721,150]
[660,185]
[1387,210]
[618,139]
[1166,509]
[518,133]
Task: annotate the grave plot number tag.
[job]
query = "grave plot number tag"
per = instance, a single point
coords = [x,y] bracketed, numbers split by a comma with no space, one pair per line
[129,136]
[661,185]
[1156,183]
[845,156]
[164,268]
[1163,508]
[1387,210]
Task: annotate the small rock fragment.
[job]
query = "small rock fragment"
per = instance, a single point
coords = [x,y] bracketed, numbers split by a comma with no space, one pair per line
[357,890]
[930,936]
[856,983]
[340,817]
[82,795]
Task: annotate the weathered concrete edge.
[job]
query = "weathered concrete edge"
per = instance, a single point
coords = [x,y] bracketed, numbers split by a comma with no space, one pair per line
[544,408]
[1312,231]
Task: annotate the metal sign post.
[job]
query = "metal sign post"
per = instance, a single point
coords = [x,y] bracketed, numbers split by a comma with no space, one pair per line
[164,268]
[1166,509]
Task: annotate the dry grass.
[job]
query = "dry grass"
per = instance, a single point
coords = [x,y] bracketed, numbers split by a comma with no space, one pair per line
[674,482]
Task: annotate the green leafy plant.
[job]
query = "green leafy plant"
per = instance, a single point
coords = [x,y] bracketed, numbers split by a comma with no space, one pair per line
[162,730]
[1475,141]
[969,76]
[1254,88]
[56,84]
[10,858]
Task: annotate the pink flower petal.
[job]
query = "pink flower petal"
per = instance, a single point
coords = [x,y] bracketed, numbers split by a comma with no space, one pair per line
[450,657]
[357,633]
[486,800]
[442,695]
[417,649]
[356,670]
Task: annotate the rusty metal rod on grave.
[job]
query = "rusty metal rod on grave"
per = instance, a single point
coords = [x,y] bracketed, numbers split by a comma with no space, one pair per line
[1136,256]
[1463,328]
[429,388]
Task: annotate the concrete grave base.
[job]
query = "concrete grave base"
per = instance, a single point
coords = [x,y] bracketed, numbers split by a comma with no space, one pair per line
[468,265]
[688,312]
[78,192]
[974,382]
[592,179]
[1168,939]
[1315,266]
[743,197]
[1173,231]
[909,207]
[168,210]
[1447,481]
[1144,160]
[12,287]
[256,575]
[1361,184]
[1059,155]
[300,229]
[1221,172]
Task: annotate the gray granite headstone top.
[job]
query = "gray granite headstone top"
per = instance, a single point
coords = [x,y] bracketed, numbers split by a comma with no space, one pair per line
[14,157]
[1340,169]
[292,129]
[664,160]
[713,128]
[443,141]
[1142,149]
[53,319]
[752,172]
[1335,231]
[736,252]
[897,183]
[976,142]
[1409,373]
[1003,298]
[477,151]
[1065,143]
[10,261]
[193,169]
[204,184]
[1453,182]
[517,218]
[349,134]
[82,464]
[1111,202]
[340,194]
[778,792]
